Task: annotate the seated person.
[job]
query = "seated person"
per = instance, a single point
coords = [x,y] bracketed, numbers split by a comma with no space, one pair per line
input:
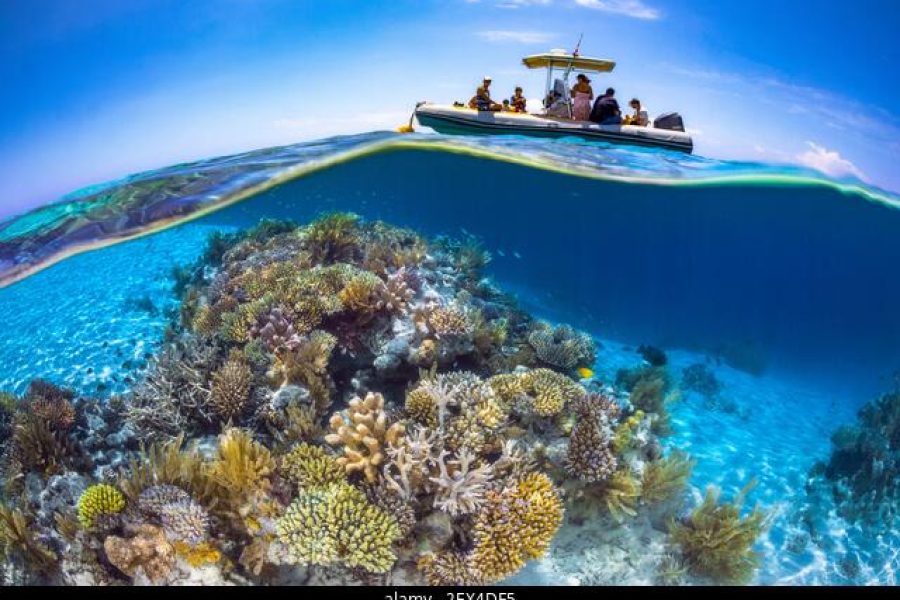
[482,101]
[606,109]
[506,106]
[640,116]
[556,103]
[518,100]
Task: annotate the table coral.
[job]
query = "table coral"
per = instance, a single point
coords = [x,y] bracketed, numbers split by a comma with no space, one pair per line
[363,434]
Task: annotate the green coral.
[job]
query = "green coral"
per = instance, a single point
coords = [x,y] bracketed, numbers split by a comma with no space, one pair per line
[98,502]
[717,543]
[310,466]
[336,524]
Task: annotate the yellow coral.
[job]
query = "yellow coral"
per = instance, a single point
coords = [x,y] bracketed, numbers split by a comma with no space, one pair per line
[335,523]
[242,472]
[198,555]
[551,391]
[508,387]
[514,525]
[309,466]
[364,433]
[97,502]
[447,321]
[622,492]
[362,293]
[420,406]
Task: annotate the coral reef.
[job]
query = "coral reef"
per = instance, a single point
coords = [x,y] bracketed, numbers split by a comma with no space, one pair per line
[343,402]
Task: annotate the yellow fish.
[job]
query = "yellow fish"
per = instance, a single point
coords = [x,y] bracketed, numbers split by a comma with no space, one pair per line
[585,373]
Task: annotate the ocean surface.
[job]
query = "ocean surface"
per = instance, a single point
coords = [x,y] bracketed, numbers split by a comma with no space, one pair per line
[783,282]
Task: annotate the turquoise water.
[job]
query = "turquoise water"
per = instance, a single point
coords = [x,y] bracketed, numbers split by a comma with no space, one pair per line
[783,283]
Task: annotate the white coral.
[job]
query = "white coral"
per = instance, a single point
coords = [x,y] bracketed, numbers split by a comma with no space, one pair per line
[459,488]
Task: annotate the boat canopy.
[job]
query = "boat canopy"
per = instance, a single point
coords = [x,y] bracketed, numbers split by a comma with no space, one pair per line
[568,61]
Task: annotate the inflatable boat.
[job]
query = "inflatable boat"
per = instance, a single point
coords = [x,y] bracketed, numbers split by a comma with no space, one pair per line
[667,131]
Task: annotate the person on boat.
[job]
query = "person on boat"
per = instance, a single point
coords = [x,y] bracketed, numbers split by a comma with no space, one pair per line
[506,106]
[640,116]
[556,102]
[582,95]
[482,98]
[606,109]
[518,100]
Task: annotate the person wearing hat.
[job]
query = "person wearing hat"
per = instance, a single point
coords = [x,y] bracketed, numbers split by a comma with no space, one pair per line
[482,98]
[582,95]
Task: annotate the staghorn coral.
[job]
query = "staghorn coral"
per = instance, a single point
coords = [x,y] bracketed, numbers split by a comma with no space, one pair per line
[336,524]
[716,542]
[562,347]
[148,552]
[310,466]
[407,470]
[396,294]
[363,435]
[515,524]
[230,389]
[98,504]
[666,478]
[589,456]
[459,485]
[17,537]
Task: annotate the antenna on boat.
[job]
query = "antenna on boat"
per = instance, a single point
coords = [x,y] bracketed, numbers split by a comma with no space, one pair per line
[578,45]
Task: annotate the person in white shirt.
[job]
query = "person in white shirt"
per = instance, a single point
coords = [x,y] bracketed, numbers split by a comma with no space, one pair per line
[640,116]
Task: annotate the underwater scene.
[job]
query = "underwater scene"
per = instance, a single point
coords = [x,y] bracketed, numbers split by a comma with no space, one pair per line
[416,359]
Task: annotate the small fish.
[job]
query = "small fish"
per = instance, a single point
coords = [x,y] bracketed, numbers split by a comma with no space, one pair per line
[585,373]
[517,255]
[501,253]
[465,231]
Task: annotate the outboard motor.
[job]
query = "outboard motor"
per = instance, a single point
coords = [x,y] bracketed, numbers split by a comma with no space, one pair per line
[671,121]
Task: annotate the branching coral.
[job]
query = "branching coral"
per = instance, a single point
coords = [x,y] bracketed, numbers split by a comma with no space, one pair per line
[514,525]
[717,543]
[396,294]
[363,435]
[147,552]
[275,329]
[310,466]
[230,389]
[447,321]
[98,504]
[666,478]
[333,238]
[562,347]
[460,483]
[363,294]
[337,524]
[307,364]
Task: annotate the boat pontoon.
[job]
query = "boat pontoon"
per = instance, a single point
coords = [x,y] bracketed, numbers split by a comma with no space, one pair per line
[665,132]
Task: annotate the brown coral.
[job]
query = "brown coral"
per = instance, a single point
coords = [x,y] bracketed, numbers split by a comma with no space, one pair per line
[147,551]
[363,433]
[589,456]
[230,389]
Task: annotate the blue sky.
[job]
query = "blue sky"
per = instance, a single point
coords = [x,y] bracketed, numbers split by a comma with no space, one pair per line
[91,90]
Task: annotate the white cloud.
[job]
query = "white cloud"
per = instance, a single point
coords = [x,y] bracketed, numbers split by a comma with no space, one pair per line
[829,162]
[518,37]
[629,8]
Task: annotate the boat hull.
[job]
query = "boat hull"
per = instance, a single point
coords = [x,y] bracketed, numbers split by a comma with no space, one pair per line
[463,121]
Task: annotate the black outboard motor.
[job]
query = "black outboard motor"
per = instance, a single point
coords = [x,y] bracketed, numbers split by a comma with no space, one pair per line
[671,121]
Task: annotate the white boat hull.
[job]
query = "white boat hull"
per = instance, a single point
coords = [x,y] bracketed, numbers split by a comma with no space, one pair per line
[466,121]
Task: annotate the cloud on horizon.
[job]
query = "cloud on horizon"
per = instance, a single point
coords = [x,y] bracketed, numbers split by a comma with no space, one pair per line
[829,162]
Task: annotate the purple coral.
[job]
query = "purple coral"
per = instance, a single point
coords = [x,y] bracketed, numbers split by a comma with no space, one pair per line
[182,519]
[275,330]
